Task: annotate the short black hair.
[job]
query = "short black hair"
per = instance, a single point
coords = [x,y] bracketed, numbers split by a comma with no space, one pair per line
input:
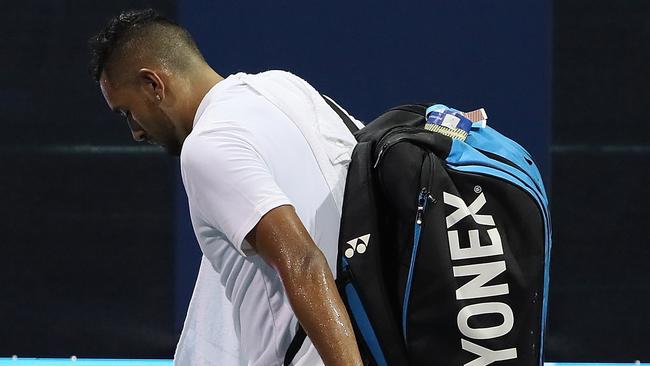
[130,24]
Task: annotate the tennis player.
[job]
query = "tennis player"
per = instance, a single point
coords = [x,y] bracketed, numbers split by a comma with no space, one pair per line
[263,161]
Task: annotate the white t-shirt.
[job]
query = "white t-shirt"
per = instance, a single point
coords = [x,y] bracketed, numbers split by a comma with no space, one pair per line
[258,142]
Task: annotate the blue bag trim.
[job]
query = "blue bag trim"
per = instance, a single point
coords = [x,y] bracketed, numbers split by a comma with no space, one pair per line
[407,295]
[488,139]
[363,323]
[462,154]
[463,157]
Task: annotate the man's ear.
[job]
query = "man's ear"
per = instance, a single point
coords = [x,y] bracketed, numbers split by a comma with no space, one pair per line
[152,84]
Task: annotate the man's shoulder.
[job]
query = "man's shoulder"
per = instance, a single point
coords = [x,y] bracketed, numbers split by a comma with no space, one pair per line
[240,103]
[213,142]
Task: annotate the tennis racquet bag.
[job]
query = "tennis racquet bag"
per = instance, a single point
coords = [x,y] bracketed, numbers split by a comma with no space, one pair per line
[444,246]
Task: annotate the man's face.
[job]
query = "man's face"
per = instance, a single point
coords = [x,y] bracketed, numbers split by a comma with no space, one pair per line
[142,112]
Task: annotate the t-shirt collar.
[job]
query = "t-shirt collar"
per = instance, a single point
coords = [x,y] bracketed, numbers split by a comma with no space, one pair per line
[215,90]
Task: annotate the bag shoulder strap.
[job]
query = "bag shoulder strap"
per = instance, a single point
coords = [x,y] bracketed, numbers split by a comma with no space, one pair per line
[346,119]
[299,338]
[295,345]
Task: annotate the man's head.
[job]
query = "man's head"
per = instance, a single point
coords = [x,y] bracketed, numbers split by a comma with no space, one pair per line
[147,66]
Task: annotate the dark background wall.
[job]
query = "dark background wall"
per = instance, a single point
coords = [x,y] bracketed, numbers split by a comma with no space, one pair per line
[601,174]
[98,256]
[85,214]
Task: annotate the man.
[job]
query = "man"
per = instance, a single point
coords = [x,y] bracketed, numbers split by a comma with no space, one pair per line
[263,161]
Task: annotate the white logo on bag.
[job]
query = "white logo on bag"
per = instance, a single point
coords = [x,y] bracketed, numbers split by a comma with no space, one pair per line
[359,245]
[482,272]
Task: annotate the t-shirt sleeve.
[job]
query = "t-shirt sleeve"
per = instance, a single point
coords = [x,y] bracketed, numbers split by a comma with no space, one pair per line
[229,184]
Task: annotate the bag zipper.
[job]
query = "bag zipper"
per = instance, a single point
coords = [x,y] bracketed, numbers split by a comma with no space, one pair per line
[424,197]
[386,143]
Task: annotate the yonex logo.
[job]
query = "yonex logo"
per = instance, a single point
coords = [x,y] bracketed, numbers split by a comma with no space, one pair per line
[462,210]
[359,245]
[483,273]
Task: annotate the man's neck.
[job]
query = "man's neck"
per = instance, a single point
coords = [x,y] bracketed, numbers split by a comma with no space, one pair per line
[200,83]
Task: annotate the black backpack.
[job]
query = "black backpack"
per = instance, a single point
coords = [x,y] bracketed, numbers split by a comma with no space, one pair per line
[444,246]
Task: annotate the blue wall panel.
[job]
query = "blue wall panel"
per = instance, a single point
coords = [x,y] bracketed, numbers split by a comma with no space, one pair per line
[371,55]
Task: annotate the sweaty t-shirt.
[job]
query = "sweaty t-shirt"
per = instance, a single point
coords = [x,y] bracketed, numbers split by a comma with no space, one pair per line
[258,142]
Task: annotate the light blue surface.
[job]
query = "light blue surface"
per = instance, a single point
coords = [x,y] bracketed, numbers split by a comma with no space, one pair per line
[81,362]
[119,362]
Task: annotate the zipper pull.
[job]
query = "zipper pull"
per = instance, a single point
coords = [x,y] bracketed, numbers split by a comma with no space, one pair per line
[422,203]
[381,151]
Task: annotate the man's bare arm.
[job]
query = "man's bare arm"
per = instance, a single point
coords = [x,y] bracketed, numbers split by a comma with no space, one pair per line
[283,242]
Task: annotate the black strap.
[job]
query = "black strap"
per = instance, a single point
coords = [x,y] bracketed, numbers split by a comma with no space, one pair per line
[346,119]
[295,345]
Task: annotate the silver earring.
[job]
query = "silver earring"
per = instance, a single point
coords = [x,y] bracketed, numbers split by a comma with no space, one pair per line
[158,97]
